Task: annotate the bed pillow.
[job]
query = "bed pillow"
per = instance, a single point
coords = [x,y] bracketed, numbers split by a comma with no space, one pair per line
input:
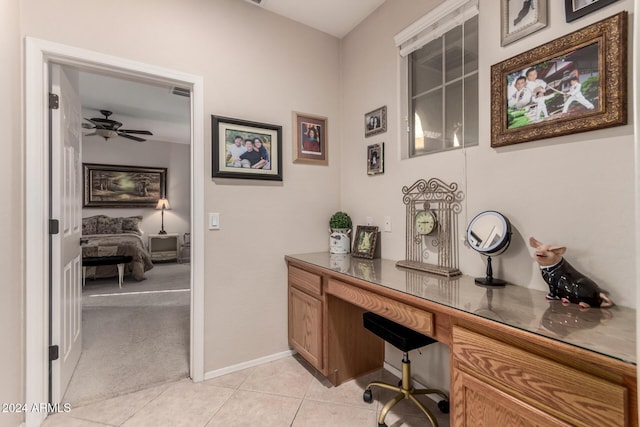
[132,225]
[89,225]
[108,225]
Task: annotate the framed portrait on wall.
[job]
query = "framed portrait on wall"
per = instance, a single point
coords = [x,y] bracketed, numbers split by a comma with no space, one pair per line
[245,150]
[310,144]
[519,18]
[375,159]
[375,121]
[575,83]
[574,9]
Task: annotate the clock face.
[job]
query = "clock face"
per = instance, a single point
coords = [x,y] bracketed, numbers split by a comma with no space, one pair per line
[425,222]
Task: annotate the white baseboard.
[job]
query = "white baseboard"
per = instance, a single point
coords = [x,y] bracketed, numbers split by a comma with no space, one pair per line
[248,364]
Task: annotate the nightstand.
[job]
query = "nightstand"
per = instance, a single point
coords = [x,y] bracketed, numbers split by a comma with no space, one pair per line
[164,247]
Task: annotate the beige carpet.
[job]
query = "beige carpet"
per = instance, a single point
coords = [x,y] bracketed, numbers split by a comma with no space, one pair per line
[133,337]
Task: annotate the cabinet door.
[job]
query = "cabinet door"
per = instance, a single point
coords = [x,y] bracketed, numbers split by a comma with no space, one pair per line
[477,404]
[305,326]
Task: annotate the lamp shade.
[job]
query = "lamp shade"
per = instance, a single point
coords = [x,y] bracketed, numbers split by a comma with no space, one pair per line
[163,204]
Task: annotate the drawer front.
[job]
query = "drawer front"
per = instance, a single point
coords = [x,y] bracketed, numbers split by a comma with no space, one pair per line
[406,315]
[309,282]
[567,393]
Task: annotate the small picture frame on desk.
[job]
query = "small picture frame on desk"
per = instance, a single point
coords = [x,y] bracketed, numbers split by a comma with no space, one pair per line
[365,241]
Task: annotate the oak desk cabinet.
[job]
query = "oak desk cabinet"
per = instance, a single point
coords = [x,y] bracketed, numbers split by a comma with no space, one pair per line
[516,359]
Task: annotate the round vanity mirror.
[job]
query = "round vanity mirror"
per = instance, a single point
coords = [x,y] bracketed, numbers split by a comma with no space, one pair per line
[489,233]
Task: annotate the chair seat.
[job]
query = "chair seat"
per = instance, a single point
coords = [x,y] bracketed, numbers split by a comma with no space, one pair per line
[399,336]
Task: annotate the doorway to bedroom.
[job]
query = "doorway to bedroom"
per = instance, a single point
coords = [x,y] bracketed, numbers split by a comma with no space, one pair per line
[135,151]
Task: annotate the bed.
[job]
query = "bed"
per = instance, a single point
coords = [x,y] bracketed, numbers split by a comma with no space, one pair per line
[106,236]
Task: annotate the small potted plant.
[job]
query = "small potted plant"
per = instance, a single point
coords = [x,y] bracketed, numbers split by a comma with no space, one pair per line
[340,228]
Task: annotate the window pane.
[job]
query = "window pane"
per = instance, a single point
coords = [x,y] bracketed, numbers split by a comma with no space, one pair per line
[453,115]
[471,110]
[453,48]
[426,67]
[471,45]
[427,115]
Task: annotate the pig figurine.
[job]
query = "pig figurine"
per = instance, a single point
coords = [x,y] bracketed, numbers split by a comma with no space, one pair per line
[565,282]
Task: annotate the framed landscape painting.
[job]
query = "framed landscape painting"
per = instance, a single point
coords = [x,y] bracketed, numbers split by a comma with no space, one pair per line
[123,186]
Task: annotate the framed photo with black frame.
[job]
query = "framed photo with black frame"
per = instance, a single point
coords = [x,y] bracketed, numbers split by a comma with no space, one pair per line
[365,241]
[519,18]
[375,159]
[245,150]
[574,9]
[576,83]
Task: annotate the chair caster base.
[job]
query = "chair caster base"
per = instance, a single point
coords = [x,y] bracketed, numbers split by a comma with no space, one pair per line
[443,405]
[367,396]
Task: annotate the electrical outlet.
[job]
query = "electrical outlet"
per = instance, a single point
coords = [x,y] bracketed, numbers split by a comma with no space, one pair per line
[387,224]
[369,220]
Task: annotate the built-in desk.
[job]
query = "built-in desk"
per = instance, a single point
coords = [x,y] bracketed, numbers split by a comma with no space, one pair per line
[515,357]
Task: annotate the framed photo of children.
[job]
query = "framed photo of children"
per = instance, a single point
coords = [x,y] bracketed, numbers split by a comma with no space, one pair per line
[375,121]
[310,139]
[576,83]
[375,159]
[574,9]
[519,18]
[246,150]
[365,241]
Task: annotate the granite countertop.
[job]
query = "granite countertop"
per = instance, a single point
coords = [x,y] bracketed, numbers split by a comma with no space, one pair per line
[611,331]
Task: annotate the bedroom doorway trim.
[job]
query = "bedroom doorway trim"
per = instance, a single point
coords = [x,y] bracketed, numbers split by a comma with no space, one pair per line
[38,54]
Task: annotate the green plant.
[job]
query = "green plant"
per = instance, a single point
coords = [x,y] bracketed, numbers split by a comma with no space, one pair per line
[340,220]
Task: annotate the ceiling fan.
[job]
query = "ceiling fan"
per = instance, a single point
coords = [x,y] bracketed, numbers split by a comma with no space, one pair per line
[107,128]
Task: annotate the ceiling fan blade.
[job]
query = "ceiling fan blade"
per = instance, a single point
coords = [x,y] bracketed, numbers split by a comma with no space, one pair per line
[88,126]
[95,123]
[90,134]
[135,138]
[142,132]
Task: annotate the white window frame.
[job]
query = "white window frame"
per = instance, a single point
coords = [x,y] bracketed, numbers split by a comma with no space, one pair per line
[431,26]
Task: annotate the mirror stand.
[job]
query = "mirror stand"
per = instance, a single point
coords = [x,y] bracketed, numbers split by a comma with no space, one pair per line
[489,279]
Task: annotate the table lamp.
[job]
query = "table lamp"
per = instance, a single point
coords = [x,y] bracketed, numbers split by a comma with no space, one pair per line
[163,204]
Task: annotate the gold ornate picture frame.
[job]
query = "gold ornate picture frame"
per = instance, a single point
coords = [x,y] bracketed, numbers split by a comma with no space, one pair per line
[576,83]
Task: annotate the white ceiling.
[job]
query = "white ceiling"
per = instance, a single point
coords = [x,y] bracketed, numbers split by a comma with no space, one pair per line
[335,17]
[153,107]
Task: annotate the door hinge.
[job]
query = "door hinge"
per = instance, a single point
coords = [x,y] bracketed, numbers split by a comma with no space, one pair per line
[54,101]
[54,352]
[54,226]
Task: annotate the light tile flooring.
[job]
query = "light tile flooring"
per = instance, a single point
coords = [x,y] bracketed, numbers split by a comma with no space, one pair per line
[286,392]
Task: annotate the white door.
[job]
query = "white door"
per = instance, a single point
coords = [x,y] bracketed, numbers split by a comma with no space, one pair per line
[66,207]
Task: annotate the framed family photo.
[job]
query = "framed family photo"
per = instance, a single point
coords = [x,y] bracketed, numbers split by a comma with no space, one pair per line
[519,18]
[310,139]
[375,121]
[375,159]
[576,83]
[365,241]
[574,9]
[111,186]
[245,150]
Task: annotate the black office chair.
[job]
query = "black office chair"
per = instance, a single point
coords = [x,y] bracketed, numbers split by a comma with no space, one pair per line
[405,340]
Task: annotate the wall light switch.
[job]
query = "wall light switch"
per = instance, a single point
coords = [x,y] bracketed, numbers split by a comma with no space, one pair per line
[214,221]
[387,223]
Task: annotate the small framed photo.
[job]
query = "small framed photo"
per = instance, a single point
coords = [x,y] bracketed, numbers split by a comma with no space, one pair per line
[310,139]
[375,121]
[574,9]
[375,159]
[519,18]
[576,83]
[365,241]
[245,150]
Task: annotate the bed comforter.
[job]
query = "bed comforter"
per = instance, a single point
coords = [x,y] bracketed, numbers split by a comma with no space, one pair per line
[117,244]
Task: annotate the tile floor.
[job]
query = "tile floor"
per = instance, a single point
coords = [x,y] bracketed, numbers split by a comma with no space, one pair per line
[286,392]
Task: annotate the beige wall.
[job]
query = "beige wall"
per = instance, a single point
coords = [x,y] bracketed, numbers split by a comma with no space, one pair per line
[256,66]
[175,157]
[11,211]
[576,190]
